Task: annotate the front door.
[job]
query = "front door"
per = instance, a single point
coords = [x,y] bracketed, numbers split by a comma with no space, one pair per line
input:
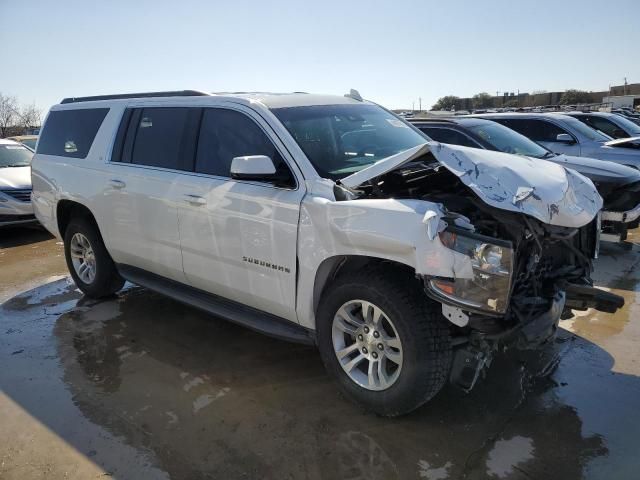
[239,238]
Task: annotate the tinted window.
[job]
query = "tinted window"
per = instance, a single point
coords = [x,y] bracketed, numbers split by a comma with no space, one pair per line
[162,138]
[538,130]
[448,135]
[605,126]
[509,141]
[70,133]
[225,134]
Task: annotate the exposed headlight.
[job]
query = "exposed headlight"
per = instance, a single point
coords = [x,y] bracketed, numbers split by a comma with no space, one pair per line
[492,264]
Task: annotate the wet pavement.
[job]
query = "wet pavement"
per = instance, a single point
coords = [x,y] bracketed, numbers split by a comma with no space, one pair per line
[140,386]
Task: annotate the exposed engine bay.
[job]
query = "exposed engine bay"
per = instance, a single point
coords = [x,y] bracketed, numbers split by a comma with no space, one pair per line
[550,265]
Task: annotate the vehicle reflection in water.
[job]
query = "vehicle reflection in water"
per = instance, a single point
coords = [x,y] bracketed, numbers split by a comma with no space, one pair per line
[154,386]
[210,398]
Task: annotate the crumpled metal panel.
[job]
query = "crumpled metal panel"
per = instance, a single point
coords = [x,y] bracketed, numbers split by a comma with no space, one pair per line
[543,190]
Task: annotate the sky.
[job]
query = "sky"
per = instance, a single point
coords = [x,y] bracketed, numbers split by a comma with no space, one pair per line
[392,52]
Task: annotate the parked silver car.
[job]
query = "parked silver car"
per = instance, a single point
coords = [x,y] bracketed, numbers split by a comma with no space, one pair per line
[562,133]
[15,184]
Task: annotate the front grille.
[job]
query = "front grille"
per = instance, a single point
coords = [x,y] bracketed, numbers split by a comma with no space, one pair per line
[16,218]
[22,194]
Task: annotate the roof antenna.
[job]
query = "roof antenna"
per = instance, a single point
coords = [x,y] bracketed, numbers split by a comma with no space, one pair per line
[355,94]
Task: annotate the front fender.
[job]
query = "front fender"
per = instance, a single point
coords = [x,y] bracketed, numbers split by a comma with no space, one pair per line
[402,231]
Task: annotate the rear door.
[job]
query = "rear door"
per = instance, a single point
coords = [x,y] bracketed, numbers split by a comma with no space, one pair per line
[154,146]
[239,238]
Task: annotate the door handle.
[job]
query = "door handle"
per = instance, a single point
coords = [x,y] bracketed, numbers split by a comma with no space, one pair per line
[195,200]
[117,183]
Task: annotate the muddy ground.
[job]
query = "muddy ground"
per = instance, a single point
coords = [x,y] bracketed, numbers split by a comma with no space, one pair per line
[140,386]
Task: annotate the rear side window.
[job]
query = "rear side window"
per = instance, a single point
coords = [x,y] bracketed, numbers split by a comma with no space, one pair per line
[70,133]
[162,137]
[225,134]
[448,135]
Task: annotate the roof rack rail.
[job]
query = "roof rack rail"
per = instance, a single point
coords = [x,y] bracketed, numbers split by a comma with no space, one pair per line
[177,93]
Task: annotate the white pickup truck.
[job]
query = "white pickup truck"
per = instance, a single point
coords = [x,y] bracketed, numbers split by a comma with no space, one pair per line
[321,219]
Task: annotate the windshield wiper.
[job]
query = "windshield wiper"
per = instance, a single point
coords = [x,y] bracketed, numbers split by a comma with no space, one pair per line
[549,155]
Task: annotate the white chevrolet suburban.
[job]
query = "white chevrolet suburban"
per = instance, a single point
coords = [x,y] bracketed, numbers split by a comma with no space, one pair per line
[325,220]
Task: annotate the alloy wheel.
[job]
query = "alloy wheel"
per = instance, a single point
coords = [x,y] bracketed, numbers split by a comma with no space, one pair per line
[83,258]
[367,345]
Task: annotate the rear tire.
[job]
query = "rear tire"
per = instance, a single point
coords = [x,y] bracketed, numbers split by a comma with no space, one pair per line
[411,323]
[89,263]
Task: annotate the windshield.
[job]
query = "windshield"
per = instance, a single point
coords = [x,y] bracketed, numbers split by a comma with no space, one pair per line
[509,141]
[585,130]
[342,139]
[15,156]
[30,142]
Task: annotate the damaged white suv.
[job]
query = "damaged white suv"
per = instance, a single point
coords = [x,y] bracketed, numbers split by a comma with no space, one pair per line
[325,220]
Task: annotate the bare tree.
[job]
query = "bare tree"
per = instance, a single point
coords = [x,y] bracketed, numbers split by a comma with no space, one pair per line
[8,113]
[30,116]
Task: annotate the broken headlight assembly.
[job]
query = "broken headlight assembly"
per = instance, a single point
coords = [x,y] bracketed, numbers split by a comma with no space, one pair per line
[488,289]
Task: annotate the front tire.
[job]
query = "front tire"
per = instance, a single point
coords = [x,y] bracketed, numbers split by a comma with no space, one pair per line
[88,261]
[387,345]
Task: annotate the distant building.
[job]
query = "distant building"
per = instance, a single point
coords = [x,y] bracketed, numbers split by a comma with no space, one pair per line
[549,98]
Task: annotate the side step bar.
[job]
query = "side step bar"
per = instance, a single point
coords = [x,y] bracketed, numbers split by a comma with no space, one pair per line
[582,297]
[251,318]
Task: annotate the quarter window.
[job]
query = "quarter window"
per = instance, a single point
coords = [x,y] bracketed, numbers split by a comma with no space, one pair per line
[70,133]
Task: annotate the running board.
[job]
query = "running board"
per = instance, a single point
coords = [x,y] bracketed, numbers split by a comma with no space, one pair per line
[582,297]
[235,312]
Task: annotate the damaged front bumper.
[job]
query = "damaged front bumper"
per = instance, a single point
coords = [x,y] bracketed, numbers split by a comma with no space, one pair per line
[472,356]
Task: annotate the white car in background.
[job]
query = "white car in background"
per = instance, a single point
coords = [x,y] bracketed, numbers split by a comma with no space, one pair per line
[562,133]
[15,184]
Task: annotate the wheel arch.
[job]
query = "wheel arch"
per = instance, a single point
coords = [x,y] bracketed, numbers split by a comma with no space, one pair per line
[66,210]
[331,267]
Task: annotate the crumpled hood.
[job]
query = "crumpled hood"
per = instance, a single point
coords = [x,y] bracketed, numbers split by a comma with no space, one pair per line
[538,188]
[599,171]
[15,177]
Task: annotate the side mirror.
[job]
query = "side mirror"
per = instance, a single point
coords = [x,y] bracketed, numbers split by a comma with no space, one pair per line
[564,138]
[253,167]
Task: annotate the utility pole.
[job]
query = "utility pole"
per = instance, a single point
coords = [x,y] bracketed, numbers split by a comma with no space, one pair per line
[413,106]
[420,100]
[624,92]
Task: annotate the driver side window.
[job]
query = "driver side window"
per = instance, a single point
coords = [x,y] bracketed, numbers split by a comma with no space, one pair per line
[605,126]
[225,134]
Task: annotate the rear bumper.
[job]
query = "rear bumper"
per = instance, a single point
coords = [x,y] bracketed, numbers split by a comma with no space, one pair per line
[615,223]
[625,217]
